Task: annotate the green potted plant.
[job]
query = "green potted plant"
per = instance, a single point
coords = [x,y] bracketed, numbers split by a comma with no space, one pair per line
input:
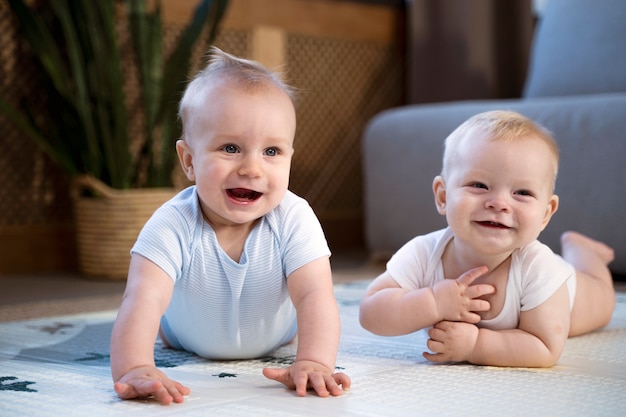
[86,125]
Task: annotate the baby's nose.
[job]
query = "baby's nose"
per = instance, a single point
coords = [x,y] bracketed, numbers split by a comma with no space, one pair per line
[497,202]
[250,166]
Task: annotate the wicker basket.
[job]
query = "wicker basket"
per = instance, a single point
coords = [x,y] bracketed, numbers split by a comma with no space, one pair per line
[108,223]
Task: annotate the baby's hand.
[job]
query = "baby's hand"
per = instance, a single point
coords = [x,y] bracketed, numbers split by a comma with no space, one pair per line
[451,341]
[148,381]
[308,374]
[457,299]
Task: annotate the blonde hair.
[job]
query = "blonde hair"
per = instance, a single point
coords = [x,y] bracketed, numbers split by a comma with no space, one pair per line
[500,125]
[221,66]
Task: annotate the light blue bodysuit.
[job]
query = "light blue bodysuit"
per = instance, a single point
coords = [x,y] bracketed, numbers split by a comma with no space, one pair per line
[222,309]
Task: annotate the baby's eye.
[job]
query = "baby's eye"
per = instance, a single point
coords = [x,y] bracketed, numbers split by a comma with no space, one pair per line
[524,193]
[478,185]
[230,148]
[271,151]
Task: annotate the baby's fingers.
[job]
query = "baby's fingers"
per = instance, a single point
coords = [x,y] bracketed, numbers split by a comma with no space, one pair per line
[280,375]
[478,290]
[468,277]
[322,384]
[301,381]
[296,380]
[343,380]
[470,317]
[125,391]
[479,305]
[146,388]
[435,357]
[178,391]
[325,385]
[143,388]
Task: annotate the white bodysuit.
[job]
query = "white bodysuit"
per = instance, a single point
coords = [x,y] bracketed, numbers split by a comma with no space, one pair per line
[222,309]
[535,274]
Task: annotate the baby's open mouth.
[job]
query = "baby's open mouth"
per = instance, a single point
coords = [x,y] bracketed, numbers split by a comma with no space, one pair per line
[243,194]
[493,224]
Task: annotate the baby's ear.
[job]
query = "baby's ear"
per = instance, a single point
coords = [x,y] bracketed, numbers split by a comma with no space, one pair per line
[439,190]
[185,157]
[553,206]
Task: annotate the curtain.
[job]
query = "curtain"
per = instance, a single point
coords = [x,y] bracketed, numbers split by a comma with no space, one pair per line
[467,49]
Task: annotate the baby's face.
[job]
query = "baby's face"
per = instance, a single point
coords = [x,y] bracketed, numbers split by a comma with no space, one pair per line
[498,194]
[241,148]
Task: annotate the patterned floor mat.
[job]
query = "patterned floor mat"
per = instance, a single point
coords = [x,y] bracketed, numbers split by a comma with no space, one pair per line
[60,367]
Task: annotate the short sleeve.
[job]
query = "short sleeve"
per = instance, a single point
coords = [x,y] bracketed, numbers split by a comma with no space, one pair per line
[543,273]
[417,263]
[301,235]
[165,238]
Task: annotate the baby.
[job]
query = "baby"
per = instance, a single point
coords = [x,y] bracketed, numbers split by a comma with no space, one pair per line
[236,265]
[492,293]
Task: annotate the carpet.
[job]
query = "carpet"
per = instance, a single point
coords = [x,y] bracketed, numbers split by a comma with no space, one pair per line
[59,366]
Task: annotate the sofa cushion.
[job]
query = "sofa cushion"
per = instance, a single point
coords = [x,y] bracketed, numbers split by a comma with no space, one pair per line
[402,150]
[579,48]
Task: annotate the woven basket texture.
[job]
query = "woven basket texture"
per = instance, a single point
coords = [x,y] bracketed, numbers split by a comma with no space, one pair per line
[108,223]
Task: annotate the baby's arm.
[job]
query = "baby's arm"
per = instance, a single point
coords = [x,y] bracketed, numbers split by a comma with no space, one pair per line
[538,341]
[311,289]
[148,293]
[389,310]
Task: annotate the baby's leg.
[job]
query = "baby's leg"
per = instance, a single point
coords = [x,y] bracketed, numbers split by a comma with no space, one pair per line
[595,295]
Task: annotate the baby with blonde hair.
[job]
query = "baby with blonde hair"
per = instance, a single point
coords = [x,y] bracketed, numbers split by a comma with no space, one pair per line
[236,265]
[490,292]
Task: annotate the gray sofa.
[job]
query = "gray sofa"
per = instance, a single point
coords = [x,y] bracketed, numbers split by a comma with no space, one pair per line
[576,87]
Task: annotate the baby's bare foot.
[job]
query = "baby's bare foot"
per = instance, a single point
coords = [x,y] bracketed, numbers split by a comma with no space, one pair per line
[572,240]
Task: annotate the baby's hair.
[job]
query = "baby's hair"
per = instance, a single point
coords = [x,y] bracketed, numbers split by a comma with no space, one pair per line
[221,66]
[500,125]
